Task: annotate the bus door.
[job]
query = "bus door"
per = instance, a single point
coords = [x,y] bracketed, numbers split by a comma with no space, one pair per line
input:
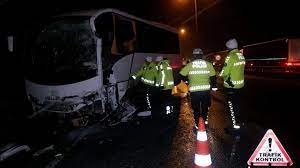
[123,45]
[118,36]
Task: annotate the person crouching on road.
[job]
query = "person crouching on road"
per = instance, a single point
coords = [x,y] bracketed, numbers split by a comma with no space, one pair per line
[201,77]
[147,75]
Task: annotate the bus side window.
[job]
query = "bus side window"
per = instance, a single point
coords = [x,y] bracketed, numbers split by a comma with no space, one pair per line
[125,35]
[154,40]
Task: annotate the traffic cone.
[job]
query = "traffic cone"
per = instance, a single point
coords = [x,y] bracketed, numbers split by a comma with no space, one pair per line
[202,155]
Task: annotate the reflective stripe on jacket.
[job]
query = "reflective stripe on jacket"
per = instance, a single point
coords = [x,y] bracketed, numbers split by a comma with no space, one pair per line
[198,72]
[165,77]
[233,70]
[147,74]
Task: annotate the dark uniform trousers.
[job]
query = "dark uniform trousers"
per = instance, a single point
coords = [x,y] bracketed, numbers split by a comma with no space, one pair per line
[200,103]
[161,100]
[147,95]
[233,103]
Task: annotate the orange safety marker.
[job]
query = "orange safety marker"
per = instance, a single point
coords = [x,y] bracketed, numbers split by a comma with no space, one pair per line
[202,155]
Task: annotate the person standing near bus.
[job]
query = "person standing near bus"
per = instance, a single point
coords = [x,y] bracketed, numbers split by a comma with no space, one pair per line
[165,83]
[147,75]
[233,75]
[165,79]
[201,78]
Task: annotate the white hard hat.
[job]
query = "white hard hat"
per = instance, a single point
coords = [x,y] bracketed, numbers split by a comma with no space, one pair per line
[148,59]
[232,44]
[197,51]
[158,58]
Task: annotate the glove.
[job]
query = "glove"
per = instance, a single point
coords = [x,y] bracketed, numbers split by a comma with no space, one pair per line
[157,85]
[161,87]
[229,82]
[132,78]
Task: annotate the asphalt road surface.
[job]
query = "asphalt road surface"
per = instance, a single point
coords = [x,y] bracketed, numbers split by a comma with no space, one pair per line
[267,103]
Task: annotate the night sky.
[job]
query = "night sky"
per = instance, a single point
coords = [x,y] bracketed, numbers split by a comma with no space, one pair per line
[247,20]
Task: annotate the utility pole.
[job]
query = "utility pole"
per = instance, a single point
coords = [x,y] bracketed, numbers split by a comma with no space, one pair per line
[196,15]
[200,12]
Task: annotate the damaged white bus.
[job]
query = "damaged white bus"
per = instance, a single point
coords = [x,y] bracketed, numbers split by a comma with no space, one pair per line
[81,62]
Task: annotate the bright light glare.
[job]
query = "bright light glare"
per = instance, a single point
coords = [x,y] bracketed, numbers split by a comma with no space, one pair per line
[182,31]
[288,64]
[181,1]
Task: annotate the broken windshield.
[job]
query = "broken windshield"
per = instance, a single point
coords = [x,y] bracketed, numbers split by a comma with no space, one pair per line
[63,52]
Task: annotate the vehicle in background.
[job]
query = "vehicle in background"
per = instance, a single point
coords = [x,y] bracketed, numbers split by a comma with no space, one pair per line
[78,65]
[276,56]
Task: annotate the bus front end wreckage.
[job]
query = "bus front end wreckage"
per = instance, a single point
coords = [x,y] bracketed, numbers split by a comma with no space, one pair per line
[78,65]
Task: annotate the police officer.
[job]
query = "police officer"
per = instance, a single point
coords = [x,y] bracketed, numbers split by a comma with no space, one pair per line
[201,79]
[165,78]
[233,75]
[165,82]
[147,75]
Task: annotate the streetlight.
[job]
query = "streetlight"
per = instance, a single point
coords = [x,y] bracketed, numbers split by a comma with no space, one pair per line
[182,39]
[182,31]
[196,12]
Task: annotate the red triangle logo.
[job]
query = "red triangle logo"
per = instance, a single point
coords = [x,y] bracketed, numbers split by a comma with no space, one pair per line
[270,152]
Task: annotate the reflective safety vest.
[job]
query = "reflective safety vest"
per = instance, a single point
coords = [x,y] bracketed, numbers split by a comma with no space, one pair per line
[165,77]
[198,72]
[233,70]
[147,73]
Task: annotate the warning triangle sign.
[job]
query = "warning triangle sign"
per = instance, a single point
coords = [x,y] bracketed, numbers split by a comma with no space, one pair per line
[270,152]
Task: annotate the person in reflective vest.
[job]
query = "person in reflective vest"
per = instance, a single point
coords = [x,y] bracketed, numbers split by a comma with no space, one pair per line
[233,75]
[147,75]
[164,83]
[201,78]
[165,79]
